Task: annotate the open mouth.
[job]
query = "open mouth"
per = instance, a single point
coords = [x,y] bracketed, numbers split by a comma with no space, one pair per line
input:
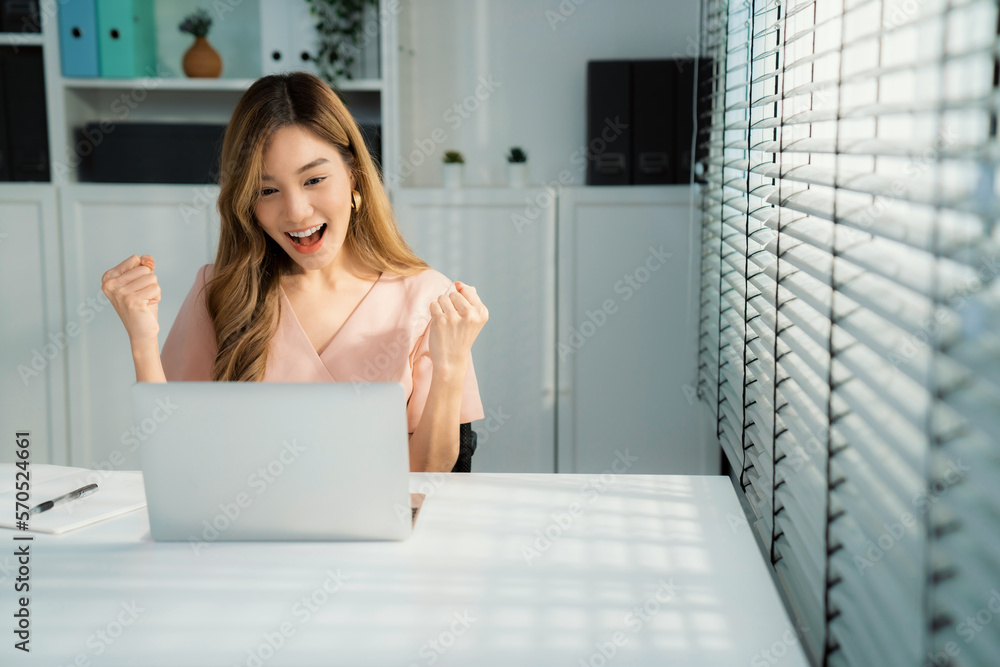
[308,237]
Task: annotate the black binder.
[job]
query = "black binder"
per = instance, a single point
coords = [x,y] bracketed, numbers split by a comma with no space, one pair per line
[150,152]
[20,16]
[22,79]
[609,120]
[4,151]
[656,99]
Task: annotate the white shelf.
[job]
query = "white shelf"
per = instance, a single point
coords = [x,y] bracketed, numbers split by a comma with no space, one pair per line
[348,85]
[20,39]
[178,83]
[172,97]
[158,83]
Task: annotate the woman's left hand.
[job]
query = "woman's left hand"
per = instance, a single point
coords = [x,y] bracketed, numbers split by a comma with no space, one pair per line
[456,320]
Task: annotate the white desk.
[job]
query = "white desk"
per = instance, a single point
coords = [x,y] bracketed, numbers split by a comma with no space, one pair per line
[459,592]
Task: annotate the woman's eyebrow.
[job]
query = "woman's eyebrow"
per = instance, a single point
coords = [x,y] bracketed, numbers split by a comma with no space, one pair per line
[303,168]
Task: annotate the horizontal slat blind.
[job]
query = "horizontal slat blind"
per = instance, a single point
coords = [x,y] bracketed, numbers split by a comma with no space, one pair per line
[850,312]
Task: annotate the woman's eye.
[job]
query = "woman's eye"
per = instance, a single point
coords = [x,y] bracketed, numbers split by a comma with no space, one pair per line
[266,191]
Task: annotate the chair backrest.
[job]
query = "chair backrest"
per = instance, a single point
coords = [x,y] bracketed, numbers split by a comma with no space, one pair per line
[466,448]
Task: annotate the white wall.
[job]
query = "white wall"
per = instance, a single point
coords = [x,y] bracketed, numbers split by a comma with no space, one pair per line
[537,50]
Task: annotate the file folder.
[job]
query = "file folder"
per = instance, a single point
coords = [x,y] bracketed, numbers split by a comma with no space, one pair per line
[78,38]
[609,122]
[126,38]
[23,80]
[20,16]
[4,130]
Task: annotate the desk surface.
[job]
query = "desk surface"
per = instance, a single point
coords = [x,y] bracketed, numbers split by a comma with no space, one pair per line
[502,569]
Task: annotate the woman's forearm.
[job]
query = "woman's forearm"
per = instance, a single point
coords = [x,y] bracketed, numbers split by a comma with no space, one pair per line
[148,367]
[434,444]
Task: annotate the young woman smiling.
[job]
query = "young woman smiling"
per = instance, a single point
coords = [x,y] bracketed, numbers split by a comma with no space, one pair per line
[312,281]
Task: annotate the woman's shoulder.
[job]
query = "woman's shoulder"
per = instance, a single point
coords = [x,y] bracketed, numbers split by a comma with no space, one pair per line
[427,282]
[204,273]
[201,278]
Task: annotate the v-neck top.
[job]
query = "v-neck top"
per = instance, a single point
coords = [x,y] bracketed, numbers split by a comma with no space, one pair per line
[286,307]
[385,339]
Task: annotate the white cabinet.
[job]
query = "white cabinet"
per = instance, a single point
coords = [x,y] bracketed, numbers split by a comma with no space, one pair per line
[101,226]
[502,241]
[627,335]
[33,335]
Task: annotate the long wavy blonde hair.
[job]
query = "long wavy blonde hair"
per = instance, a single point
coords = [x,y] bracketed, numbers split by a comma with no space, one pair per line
[243,292]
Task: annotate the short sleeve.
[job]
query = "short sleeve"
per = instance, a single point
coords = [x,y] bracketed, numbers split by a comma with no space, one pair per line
[472,406]
[190,350]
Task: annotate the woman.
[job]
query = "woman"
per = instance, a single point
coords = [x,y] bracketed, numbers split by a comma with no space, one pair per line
[312,280]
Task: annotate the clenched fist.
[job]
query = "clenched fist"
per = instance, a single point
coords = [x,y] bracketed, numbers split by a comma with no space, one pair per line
[134,292]
[456,320]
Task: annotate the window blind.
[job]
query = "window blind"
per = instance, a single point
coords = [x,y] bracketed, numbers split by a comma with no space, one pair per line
[850,313]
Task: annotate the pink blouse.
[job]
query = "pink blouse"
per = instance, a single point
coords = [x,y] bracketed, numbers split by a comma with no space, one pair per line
[385,339]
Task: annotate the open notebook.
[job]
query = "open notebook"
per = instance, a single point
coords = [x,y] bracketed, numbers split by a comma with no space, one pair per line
[116,494]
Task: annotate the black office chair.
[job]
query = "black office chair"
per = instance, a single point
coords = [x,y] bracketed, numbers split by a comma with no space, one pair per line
[466,448]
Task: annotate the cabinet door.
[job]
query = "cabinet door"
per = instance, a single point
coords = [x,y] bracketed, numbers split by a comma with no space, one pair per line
[33,337]
[501,241]
[627,335]
[101,226]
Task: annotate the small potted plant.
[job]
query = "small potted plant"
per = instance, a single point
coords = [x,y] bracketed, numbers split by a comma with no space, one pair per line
[201,60]
[451,169]
[517,167]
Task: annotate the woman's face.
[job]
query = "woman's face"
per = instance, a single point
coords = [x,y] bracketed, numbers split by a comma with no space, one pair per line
[305,210]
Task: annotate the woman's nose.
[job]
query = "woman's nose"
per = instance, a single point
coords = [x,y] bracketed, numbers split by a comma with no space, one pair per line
[298,208]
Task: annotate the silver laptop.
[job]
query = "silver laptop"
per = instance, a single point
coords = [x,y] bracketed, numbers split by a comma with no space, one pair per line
[274,461]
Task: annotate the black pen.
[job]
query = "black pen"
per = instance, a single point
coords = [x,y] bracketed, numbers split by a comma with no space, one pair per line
[72,495]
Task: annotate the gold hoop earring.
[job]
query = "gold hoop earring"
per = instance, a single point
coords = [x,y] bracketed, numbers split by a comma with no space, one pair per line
[355,200]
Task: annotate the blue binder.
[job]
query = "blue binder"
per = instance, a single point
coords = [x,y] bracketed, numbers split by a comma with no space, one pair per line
[78,38]
[126,38]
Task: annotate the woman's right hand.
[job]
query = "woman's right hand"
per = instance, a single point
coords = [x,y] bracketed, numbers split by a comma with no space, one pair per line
[134,292]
